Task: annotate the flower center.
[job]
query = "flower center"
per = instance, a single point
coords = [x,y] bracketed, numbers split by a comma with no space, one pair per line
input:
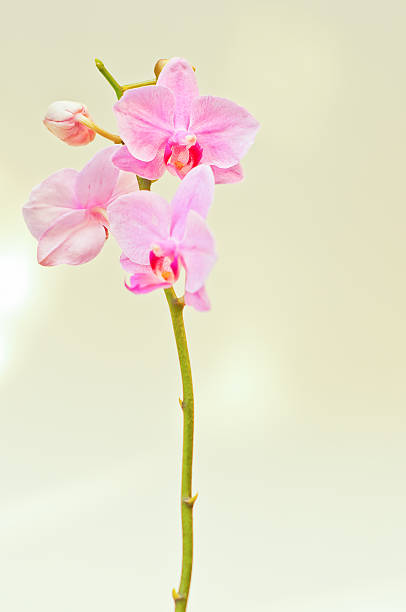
[164,265]
[99,213]
[182,154]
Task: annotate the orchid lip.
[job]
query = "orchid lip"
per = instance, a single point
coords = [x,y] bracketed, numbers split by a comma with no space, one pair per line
[164,265]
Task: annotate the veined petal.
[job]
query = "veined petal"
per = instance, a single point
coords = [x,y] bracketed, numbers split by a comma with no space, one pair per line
[224,130]
[96,182]
[178,76]
[228,175]
[195,192]
[197,251]
[51,199]
[138,221]
[126,183]
[199,300]
[145,119]
[151,170]
[74,239]
[131,267]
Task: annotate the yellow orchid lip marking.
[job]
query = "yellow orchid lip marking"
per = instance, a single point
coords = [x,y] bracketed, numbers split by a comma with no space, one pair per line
[166,275]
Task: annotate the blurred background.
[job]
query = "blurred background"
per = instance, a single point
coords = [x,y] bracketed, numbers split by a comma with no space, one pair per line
[299,368]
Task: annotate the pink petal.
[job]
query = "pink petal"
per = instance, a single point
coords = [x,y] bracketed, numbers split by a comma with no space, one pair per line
[74,239]
[145,120]
[127,183]
[50,200]
[138,221]
[131,267]
[178,76]
[96,182]
[228,175]
[198,252]
[151,170]
[196,192]
[224,130]
[199,300]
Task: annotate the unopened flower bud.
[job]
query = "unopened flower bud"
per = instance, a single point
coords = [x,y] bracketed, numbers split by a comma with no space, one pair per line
[63,119]
[159,66]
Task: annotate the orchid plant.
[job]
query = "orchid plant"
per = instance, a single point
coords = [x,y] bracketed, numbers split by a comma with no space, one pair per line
[163,125]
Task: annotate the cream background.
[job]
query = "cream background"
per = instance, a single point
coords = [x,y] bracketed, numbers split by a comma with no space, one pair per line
[298,368]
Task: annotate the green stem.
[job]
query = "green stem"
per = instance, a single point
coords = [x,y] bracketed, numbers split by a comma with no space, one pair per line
[187,501]
[109,77]
[140,84]
[143,183]
[176,306]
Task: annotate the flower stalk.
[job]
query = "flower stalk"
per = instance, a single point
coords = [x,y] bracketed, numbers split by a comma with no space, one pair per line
[90,124]
[187,500]
[120,89]
[176,306]
[140,84]
[109,78]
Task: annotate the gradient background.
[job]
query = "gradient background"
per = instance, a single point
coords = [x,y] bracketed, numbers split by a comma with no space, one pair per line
[298,368]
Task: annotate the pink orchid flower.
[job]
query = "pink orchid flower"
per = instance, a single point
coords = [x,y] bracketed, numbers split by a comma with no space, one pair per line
[169,126]
[62,119]
[158,238]
[67,211]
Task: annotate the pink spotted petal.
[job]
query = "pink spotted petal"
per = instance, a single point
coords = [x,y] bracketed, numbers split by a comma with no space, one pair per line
[224,130]
[178,76]
[145,119]
[97,180]
[151,170]
[199,300]
[50,200]
[74,239]
[138,221]
[198,252]
[196,192]
[228,175]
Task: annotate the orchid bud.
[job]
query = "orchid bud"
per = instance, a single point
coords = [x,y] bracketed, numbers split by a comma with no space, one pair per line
[159,66]
[63,120]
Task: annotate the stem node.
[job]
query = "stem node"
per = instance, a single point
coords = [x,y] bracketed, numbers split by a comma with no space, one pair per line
[190,501]
[176,596]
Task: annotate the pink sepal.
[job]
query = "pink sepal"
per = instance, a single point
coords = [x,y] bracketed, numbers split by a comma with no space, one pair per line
[199,300]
